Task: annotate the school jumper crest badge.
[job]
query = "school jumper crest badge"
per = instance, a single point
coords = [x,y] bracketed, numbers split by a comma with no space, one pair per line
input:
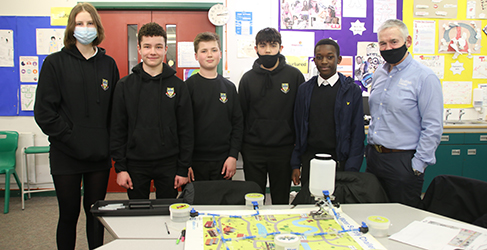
[104,84]
[285,88]
[223,97]
[170,92]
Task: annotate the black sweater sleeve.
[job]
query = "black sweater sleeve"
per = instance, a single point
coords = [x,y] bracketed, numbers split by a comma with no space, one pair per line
[237,127]
[243,95]
[119,129]
[184,115]
[47,103]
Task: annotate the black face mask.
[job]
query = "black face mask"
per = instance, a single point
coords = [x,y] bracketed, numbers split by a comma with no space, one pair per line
[393,56]
[269,61]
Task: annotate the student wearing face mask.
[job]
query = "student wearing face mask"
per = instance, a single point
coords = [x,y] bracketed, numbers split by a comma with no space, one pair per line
[267,94]
[72,107]
[406,104]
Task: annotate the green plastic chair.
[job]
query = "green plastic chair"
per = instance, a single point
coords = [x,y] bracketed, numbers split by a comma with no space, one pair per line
[28,151]
[8,148]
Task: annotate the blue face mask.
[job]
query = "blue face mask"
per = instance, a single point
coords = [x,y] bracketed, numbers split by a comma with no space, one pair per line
[85,35]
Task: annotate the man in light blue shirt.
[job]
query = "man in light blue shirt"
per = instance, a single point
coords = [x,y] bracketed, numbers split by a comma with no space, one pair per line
[406,105]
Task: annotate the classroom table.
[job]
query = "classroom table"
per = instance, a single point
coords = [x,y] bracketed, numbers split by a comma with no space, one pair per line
[149,232]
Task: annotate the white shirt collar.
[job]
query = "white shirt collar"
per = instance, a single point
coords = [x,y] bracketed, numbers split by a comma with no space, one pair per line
[332,80]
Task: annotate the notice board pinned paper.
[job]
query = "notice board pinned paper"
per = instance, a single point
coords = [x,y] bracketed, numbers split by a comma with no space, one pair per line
[59,15]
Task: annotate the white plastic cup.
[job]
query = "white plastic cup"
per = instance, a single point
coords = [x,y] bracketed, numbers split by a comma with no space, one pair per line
[378,226]
[322,175]
[250,197]
[287,242]
[179,212]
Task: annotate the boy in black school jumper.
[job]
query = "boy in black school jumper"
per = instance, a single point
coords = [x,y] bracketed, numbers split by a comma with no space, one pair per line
[152,123]
[328,116]
[267,94]
[218,119]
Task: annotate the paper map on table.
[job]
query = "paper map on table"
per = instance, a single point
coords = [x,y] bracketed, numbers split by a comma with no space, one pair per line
[202,233]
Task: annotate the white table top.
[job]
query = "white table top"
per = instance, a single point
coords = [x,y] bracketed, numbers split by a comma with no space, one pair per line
[130,230]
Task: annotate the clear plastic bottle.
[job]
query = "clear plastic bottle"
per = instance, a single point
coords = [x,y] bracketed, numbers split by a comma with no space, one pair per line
[322,175]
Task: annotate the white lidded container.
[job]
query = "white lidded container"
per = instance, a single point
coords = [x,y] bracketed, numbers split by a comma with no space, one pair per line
[322,175]
[287,242]
[378,225]
[180,212]
[250,197]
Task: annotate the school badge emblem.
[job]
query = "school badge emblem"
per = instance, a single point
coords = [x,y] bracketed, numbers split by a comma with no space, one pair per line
[223,97]
[285,88]
[104,84]
[170,92]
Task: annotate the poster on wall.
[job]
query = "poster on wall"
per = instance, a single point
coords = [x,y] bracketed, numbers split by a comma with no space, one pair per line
[245,48]
[29,68]
[435,63]
[424,34]
[384,10]
[477,9]
[479,67]
[243,23]
[368,59]
[355,8]
[457,92]
[435,9]
[189,72]
[60,15]
[49,40]
[311,14]
[298,43]
[345,66]
[459,36]
[186,55]
[27,96]
[6,48]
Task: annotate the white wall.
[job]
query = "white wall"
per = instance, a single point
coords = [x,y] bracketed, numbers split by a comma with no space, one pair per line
[264,12]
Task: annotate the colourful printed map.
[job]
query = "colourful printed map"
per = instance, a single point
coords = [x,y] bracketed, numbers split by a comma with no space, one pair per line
[209,230]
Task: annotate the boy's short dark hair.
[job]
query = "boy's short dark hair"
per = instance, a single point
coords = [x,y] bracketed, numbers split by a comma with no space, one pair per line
[330,42]
[268,35]
[206,37]
[150,30]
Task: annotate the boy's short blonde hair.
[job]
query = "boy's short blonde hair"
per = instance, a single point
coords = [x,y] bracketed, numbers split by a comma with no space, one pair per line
[206,37]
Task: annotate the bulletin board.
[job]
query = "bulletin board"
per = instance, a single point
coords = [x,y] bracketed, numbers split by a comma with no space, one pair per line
[24,43]
[459,74]
[462,74]
[349,28]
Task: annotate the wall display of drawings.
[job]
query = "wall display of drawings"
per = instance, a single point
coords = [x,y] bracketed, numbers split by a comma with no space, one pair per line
[311,14]
[460,47]
[459,37]
[355,23]
[30,40]
[435,8]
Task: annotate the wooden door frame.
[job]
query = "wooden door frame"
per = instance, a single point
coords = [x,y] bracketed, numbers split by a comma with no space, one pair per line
[163,6]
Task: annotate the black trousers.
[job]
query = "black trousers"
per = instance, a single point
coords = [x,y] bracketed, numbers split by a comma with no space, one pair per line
[259,160]
[162,172]
[208,170]
[395,173]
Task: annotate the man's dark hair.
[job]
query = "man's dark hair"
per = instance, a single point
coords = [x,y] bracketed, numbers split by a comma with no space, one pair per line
[330,42]
[150,30]
[269,35]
